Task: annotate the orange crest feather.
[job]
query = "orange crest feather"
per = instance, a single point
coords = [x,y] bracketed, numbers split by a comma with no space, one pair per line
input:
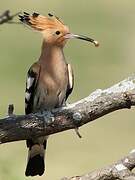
[41,23]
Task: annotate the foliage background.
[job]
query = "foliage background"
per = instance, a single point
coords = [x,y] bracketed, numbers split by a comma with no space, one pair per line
[105,140]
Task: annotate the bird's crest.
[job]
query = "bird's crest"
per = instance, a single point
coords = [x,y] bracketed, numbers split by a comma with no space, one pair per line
[41,23]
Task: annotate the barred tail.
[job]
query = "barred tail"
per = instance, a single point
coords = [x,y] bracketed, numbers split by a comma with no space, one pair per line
[35,164]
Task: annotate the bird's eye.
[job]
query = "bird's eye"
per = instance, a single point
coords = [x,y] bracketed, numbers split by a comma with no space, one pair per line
[57,32]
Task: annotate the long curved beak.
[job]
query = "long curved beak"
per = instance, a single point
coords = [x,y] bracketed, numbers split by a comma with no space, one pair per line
[85,38]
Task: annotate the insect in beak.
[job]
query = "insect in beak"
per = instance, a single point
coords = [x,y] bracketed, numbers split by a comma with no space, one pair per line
[85,38]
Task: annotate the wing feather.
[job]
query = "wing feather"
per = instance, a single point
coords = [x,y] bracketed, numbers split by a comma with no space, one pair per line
[31,84]
[70,80]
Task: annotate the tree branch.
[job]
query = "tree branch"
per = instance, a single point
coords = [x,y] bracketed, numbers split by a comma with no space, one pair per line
[121,170]
[97,104]
[100,102]
[6,17]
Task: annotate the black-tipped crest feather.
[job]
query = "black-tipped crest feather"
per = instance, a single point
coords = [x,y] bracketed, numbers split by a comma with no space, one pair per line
[26,13]
[24,18]
[35,14]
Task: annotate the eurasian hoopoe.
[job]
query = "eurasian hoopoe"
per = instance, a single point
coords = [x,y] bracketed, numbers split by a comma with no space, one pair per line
[49,81]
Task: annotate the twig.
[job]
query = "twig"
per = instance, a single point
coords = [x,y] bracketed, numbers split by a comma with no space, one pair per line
[6,17]
[10,109]
[77,132]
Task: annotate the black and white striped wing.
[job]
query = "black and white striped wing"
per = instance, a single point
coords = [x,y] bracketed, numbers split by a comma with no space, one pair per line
[31,84]
[70,81]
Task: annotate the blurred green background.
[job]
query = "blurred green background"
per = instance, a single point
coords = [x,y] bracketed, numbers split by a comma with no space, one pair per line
[105,140]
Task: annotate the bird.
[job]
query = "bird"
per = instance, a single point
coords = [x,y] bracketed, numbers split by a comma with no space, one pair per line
[50,80]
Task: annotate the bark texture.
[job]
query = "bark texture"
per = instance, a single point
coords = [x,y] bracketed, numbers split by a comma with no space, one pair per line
[97,104]
[121,170]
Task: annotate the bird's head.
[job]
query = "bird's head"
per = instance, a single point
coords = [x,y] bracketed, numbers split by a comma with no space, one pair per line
[53,30]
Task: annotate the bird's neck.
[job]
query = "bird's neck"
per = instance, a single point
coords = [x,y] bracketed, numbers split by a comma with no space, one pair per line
[51,54]
[53,62]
